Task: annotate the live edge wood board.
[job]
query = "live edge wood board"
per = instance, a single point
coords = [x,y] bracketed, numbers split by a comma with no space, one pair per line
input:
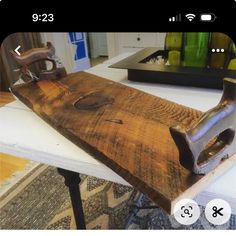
[126,129]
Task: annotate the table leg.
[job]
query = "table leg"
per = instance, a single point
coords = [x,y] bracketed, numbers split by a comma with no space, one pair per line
[72,180]
[134,209]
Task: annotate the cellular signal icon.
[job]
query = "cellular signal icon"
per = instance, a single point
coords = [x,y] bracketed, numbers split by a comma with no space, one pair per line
[175,18]
[190,16]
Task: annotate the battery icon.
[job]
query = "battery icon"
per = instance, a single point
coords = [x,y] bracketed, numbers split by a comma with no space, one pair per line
[209,17]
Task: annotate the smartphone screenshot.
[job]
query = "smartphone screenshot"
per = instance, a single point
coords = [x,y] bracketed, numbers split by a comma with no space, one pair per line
[110,122]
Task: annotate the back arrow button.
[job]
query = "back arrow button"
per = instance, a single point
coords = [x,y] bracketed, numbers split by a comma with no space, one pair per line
[17,50]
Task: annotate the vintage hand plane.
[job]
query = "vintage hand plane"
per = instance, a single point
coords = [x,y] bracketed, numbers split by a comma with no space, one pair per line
[160,147]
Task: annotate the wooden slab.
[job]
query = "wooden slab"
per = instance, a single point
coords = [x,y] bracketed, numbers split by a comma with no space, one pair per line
[5,97]
[124,128]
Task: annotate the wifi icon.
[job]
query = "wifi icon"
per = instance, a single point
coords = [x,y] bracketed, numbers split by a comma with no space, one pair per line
[190,16]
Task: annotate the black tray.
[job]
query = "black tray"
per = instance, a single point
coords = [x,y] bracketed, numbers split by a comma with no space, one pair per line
[138,70]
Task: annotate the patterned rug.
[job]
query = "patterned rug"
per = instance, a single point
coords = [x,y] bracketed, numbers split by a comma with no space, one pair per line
[41,201]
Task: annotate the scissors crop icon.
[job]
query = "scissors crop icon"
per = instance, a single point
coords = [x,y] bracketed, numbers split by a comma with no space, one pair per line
[217,211]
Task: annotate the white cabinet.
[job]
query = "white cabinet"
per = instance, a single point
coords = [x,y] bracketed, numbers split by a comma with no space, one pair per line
[136,39]
[132,42]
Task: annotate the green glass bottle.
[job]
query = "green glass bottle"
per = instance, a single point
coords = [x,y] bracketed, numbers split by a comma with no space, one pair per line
[232,61]
[173,41]
[196,49]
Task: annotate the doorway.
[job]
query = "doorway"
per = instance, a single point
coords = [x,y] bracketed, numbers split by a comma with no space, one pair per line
[97,48]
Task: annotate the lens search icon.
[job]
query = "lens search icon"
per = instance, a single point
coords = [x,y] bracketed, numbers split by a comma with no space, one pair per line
[186,211]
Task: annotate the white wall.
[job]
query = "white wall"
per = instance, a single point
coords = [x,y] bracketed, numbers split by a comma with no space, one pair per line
[128,42]
[64,50]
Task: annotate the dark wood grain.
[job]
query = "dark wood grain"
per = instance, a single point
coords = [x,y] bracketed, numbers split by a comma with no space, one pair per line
[124,128]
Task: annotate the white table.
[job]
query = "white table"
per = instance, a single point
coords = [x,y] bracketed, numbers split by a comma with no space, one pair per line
[24,134]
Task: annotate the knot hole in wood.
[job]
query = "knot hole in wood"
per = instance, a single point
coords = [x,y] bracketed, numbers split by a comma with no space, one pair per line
[93,101]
